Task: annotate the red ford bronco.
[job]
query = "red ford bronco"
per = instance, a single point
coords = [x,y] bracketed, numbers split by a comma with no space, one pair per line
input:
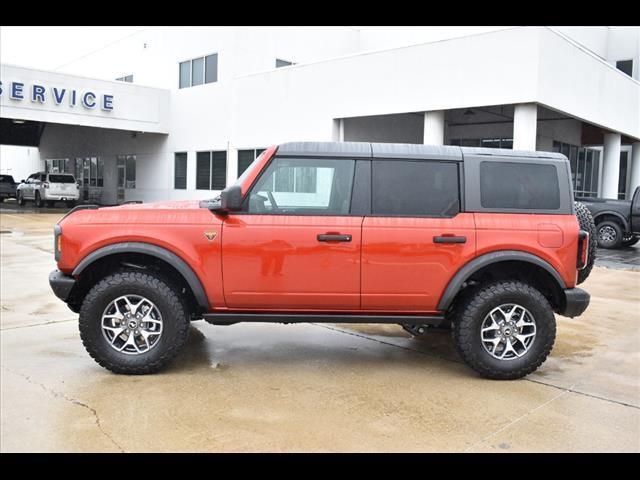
[486,242]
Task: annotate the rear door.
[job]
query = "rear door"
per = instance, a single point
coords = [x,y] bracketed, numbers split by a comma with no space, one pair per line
[297,244]
[416,237]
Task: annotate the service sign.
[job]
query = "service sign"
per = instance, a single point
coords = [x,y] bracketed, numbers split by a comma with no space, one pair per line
[56,95]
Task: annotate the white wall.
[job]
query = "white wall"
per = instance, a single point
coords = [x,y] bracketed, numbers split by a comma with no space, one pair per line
[20,162]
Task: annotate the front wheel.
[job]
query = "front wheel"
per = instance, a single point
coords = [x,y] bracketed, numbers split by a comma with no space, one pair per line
[504,330]
[20,199]
[133,322]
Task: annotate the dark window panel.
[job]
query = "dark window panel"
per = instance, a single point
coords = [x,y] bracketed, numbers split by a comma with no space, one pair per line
[428,188]
[519,186]
[245,158]
[625,66]
[203,170]
[219,170]
[180,171]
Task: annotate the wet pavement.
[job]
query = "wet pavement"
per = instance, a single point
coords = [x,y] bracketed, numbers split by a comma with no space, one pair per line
[307,387]
[627,258]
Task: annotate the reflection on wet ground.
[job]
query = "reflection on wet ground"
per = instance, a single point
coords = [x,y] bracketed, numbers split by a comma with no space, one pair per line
[627,258]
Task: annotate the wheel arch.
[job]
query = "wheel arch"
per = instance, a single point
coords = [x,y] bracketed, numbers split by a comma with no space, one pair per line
[506,258]
[611,215]
[177,263]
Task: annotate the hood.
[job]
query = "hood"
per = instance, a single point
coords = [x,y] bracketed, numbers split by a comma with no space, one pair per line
[158,213]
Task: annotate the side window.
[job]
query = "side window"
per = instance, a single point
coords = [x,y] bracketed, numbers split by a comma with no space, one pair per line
[519,185]
[421,188]
[304,186]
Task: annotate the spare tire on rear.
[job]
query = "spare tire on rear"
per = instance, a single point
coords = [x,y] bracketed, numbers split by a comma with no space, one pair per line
[585,219]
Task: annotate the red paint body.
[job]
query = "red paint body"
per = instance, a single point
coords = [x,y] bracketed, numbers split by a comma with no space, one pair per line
[275,262]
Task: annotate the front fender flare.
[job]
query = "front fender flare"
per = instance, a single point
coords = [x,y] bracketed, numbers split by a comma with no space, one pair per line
[455,284]
[155,251]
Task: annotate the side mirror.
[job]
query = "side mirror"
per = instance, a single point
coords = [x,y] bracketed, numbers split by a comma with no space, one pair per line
[22,181]
[230,200]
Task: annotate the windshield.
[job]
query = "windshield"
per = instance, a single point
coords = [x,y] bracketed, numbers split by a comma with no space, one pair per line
[249,169]
[62,179]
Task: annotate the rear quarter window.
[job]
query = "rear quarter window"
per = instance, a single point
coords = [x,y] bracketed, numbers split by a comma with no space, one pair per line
[527,186]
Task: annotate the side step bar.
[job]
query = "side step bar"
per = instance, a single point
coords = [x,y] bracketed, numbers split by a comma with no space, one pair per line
[231,318]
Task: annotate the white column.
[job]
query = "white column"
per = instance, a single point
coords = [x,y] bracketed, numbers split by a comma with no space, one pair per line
[337,134]
[191,170]
[611,165]
[434,127]
[634,181]
[525,126]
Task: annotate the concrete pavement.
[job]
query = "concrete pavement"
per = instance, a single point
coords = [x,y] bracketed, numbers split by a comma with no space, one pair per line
[307,387]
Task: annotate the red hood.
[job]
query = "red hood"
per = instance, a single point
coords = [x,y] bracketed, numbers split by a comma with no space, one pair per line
[158,213]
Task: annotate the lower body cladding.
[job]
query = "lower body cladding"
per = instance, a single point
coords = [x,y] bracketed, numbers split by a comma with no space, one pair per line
[503,330]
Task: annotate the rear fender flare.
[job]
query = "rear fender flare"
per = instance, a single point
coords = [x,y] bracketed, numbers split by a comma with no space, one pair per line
[455,284]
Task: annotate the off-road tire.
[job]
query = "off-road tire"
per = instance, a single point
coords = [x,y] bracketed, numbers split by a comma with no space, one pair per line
[469,312]
[157,289]
[630,241]
[585,219]
[20,199]
[617,242]
[38,200]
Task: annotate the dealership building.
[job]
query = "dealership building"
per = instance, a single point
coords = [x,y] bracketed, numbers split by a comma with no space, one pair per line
[179,113]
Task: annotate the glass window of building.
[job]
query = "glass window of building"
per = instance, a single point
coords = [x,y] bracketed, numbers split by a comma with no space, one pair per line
[246,158]
[198,71]
[625,66]
[180,171]
[283,63]
[622,179]
[211,170]
[585,168]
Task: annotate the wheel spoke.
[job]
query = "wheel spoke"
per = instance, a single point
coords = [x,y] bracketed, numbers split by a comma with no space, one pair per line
[120,318]
[501,334]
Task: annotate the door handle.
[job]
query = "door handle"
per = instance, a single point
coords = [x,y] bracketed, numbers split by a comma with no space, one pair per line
[333,237]
[449,239]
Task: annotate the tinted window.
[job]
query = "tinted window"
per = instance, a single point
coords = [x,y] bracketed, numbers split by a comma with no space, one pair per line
[519,185]
[180,171]
[61,178]
[203,170]
[415,188]
[6,179]
[304,185]
[218,170]
[625,66]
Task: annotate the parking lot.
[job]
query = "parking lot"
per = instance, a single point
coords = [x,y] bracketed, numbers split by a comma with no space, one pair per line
[309,387]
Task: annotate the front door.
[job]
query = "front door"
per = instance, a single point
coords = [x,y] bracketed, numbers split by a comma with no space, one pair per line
[295,245]
[416,238]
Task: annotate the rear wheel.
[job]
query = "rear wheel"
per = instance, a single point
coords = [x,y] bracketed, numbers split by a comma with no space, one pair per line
[585,219]
[609,234]
[504,330]
[133,322]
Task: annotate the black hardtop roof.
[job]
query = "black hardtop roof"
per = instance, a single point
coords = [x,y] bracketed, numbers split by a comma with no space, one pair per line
[402,150]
